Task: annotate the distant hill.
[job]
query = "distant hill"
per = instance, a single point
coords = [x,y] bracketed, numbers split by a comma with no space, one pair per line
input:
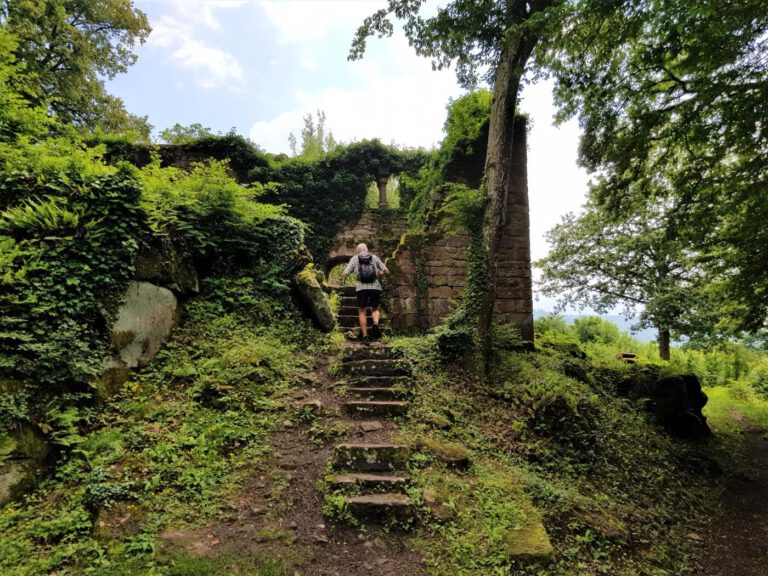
[646,335]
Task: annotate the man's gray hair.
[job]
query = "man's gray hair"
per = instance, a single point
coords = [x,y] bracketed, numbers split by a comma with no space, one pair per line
[361,248]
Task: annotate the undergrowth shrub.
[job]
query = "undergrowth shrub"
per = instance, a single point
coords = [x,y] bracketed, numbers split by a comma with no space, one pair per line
[160,454]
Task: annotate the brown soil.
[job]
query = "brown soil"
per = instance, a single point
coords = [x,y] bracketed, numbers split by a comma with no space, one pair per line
[736,543]
[279,510]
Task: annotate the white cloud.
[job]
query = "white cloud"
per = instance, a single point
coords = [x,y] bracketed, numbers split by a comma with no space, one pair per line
[404,104]
[311,20]
[308,60]
[178,33]
[203,12]
[556,184]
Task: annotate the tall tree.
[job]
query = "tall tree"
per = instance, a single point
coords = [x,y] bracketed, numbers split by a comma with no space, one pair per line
[178,134]
[497,38]
[316,139]
[70,46]
[17,117]
[673,99]
[635,262]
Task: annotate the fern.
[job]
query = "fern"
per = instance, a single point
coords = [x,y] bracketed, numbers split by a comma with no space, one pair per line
[48,216]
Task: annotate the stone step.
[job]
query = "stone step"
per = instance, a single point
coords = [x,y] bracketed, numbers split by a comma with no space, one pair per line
[376,482]
[349,301]
[353,320]
[370,353]
[375,407]
[383,367]
[379,508]
[370,457]
[379,393]
[347,310]
[345,290]
[380,382]
[351,309]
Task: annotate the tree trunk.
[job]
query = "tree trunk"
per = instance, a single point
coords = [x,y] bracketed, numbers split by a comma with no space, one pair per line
[498,170]
[664,344]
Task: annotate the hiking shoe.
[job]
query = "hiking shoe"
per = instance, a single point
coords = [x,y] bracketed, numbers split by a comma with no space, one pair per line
[375,332]
[366,341]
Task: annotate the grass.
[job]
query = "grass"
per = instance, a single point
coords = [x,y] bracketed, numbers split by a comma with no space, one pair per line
[728,405]
[549,446]
[616,494]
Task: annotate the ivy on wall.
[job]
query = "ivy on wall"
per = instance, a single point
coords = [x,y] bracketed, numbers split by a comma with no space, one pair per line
[330,192]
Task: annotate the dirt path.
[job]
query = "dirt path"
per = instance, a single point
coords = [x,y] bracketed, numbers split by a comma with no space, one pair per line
[737,541]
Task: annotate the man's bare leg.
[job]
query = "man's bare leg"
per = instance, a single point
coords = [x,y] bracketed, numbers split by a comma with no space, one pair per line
[362,316]
[375,314]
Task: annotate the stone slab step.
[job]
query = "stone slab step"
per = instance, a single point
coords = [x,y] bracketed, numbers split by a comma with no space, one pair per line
[387,393]
[381,507]
[380,382]
[370,353]
[349,301]
[350,309]
[375,407]
[345,290]
[370,457]
[358,368]
[382,482]
[352,320]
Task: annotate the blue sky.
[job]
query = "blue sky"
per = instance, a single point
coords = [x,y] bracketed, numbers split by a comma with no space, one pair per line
[260,65]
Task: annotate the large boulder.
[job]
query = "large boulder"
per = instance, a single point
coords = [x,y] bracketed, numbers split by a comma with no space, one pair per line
[313,299]
[166,267]
[144,321]
[676,401]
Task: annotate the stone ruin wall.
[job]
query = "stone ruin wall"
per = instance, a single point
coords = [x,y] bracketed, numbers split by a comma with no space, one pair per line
[429,272]
[380,229]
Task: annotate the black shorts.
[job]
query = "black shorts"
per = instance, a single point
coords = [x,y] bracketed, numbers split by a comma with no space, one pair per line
[368,298]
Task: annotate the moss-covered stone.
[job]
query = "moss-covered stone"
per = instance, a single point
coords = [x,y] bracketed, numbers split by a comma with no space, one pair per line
[23,461]
[452,453]
[531,542]
[313,299]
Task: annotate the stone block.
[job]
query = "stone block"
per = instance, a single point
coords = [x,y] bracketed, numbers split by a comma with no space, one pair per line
[144,321]
[441,292]
[459,240]
[314,300]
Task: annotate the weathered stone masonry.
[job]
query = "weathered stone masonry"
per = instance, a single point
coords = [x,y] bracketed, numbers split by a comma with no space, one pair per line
[429,271]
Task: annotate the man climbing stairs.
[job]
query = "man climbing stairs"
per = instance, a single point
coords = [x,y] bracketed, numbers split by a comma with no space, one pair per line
[347,318]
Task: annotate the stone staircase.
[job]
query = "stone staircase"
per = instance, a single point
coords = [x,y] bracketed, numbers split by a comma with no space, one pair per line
[371,475]
[368,483]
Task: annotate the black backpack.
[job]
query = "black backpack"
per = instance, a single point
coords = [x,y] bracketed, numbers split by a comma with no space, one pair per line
[366,270]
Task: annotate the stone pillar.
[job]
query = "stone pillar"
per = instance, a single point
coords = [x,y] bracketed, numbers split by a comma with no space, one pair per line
[381,182]
[514,292]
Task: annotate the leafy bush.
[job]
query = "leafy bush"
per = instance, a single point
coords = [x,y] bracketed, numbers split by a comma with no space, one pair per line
[216,221]
[595,329]
[69,233]
[68,251]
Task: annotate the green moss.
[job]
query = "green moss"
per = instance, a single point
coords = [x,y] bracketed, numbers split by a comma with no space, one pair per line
[31,443]
[530,542]
[446,451]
